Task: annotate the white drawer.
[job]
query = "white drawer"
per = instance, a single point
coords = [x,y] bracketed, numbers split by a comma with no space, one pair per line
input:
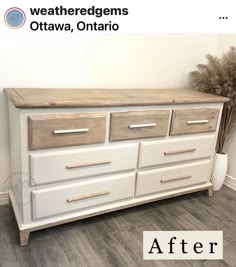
[175,150]
[77,196]
[154,181]
[49,167]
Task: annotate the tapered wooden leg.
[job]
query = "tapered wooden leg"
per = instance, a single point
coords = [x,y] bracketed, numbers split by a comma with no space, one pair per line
[210,192]
[24,237]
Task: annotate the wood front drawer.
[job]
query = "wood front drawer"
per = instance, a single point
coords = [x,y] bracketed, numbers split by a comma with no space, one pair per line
[163,179]
[138,124]
[49,167]
[187,121]
[78,196]
[50,131]
[175,150]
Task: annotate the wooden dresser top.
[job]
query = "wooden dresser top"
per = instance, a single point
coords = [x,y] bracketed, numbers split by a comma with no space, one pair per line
[50,98]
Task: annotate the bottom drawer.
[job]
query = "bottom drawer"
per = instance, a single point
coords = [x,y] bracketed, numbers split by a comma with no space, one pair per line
[81,195]
[154,181]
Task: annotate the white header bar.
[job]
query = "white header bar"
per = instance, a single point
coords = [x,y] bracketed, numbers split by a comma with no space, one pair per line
[123,16]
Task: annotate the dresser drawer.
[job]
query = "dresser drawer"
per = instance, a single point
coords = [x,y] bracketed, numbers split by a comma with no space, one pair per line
[49,131]
[78,196]
[187,121]
[49,167]
[138,124]
[154,181]
[175,150]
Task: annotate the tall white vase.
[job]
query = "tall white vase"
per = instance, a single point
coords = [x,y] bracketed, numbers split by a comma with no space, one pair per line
[219,169]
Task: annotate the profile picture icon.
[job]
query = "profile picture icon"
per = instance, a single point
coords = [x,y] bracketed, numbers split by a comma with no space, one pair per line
[15,18]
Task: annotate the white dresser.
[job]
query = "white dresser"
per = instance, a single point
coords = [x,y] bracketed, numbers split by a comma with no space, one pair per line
[78,153]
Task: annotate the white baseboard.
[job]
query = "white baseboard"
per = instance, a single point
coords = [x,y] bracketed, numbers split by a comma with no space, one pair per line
[230,182]
[4,198]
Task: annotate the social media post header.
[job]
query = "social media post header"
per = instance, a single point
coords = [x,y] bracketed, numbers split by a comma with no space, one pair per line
[153,16]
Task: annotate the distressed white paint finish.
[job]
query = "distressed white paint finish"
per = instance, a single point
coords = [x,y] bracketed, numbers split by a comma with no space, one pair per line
[175,150]
[24,113]
[17,175]
[157,180]
[95,210]
[51,201]
[23,154]
[50,167]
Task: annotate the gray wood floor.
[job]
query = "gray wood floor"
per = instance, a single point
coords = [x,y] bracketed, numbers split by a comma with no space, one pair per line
[115,239]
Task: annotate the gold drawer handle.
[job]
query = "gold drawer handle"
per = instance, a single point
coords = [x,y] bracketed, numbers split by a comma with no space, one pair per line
[166,180]
[174,152]
[88,164]
[85,130]
[87,196]
[133,126]
[197,122]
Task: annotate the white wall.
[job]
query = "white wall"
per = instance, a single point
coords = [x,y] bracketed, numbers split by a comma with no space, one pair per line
[225,41]
[110,61]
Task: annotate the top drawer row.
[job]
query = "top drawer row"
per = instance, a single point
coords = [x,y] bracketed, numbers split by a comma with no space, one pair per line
[50,131]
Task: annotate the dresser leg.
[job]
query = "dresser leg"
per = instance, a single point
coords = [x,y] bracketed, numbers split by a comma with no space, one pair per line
[210,192]
[24,237]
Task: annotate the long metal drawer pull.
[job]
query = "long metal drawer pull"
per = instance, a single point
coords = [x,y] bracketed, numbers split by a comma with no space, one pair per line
[198,122]
[133,126]
[174,152]
[88,164]
[166,180]
[85,130]
[88,196]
